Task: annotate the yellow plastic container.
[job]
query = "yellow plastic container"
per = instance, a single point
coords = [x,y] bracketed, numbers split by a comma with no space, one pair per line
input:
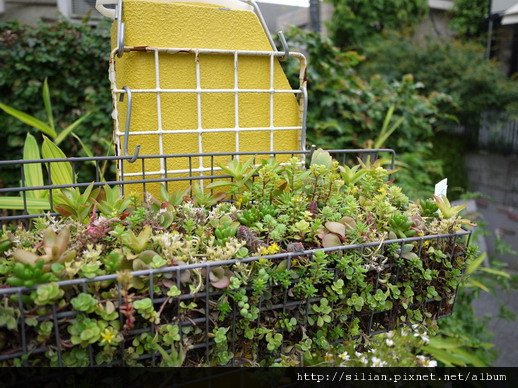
[192,120]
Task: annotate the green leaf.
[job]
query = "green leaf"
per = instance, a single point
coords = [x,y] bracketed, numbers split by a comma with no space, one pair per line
[61,172]
[322,157]
[48,105]
[29,120]
[495,272]
[448,358]
[474,264]
[384,135]
[444,343]
[65,132]
[470,357]
[16,203]
[476,283]
[85,148]
[33,172]
[217,184]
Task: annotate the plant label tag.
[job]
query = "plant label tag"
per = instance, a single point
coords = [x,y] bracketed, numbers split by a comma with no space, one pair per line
[442,187]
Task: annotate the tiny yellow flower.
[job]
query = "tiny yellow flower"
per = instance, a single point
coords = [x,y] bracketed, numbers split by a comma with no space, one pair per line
[269,250]
[273,249]
[108,336]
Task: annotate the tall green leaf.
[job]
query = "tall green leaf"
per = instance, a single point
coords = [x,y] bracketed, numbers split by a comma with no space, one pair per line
[60,172]
[17,203]
[29,120]
[65,132]
[32,172]
[386,132]
[48,105]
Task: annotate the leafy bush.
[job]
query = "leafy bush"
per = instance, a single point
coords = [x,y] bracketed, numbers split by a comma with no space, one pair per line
[347,110]
[355,21]
[74,59]
[469,18]
[286,209]
[458,69]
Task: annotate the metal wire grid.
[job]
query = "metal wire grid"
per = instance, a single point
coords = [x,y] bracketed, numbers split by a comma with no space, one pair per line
[142,182]
[118,93]
[374,321]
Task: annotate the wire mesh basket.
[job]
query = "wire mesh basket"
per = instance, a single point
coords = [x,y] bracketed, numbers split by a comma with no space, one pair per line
[192,314]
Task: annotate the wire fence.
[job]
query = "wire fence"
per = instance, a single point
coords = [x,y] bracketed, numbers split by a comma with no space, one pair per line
[143,183]
[498,132]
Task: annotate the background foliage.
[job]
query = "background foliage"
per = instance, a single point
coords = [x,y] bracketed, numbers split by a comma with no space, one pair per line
[74,58]
[356,21]
[456,68]
[469,18]
[347,110]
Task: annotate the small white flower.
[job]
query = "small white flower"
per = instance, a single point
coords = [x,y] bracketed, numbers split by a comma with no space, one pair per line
[425,338]
[377,362]
[426,362]
[357,354]
[344,356]
[389,342]
[364,360]
[390,334]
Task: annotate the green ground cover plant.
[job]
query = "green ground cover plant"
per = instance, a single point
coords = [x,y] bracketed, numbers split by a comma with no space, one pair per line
[293,219]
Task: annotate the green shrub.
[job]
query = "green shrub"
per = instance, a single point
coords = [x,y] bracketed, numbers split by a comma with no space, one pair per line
[468,18]
[456,68]
[355,21]
[347,110]
[74,58]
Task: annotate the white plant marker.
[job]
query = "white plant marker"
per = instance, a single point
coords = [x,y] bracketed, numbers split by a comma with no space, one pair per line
[441,188]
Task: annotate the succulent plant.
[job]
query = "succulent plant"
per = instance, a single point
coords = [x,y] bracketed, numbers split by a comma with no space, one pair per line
[335,233]
[252,242]
[54,246]
[137,243]
[85,331]
[47,294]
[224,228]
[70,202]
[445,208]
[5,243]
[26,275]
[113,204]
[146,309]
[400,227]
[9,316]
[85,303]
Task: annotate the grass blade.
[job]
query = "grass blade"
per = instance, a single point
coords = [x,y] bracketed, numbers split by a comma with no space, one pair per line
[16,203]
[33,172]
[48,104]
[61,172]
[29,120]
[65,132]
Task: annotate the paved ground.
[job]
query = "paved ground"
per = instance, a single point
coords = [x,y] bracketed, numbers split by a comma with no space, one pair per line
[506,332]
[505,222]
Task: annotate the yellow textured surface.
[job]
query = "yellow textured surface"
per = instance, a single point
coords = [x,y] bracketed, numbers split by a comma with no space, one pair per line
[162,24]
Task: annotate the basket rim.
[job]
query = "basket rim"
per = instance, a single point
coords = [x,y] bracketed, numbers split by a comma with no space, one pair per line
[218,263]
